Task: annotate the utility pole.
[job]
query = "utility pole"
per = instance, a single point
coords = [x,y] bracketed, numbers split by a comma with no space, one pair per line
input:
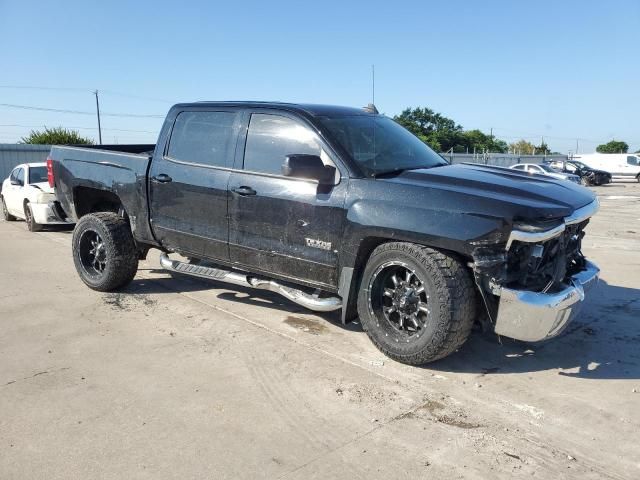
[576,145]
[98,113]
[373,84]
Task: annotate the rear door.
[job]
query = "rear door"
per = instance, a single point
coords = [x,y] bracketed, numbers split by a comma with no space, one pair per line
[289,227]
[188,183]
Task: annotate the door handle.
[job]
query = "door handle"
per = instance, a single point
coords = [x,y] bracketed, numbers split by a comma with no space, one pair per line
[244,191]
[162,178]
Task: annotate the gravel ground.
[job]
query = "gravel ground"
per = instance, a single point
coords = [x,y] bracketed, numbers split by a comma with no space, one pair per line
[180,378]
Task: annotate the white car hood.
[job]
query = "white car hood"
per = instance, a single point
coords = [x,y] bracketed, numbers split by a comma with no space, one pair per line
[44,186]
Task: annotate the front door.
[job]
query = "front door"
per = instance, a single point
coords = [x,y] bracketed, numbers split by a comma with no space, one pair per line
[188,184]
[14,196]
[286,226]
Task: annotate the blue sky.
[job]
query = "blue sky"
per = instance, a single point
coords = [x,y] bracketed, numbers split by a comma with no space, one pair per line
[558,69]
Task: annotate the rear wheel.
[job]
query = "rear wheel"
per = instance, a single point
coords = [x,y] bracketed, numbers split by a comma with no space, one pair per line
[416,304]
[32,225]
[104,252]
[5,212]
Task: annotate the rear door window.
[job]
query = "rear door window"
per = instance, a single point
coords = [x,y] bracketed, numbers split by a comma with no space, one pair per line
[20,175]
[272,137]
[205,138]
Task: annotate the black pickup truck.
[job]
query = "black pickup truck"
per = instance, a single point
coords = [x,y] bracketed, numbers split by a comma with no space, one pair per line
[334,208]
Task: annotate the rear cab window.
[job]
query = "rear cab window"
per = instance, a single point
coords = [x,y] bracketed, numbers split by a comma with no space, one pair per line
[37,174]
[203,138]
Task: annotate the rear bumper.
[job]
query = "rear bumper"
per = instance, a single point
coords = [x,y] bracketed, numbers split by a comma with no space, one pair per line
[533,316]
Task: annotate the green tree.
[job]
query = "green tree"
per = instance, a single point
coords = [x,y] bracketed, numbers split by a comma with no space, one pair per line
[614,146]
[542,149]
[522,147]
[436,130]
[56,136]
[476,140]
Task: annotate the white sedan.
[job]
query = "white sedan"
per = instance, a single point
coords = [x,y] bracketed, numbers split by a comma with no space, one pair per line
[542,169]
[26,194]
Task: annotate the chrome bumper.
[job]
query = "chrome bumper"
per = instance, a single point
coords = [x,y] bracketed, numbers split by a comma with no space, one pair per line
[533,316]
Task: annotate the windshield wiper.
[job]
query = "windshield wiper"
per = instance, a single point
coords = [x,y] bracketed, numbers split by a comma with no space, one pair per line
[400,170]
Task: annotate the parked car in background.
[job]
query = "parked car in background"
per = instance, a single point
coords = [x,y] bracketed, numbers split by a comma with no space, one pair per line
[26,194]
[588,175]
[544,169]
[617,164]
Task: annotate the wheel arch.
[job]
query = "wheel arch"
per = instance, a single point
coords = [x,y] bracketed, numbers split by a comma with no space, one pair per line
[351,275]
[92,200]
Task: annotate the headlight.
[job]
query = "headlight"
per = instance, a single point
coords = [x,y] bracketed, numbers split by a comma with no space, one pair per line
[43,197]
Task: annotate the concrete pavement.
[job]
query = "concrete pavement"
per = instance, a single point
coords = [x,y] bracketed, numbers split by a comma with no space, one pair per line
[180,378]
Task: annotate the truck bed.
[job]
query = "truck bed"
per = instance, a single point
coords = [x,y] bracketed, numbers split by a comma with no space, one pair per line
[117,169]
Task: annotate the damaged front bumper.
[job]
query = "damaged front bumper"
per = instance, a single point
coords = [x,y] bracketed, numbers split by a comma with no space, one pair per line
[534,316]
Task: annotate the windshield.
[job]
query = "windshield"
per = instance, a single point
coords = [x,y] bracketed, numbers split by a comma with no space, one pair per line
[379,145]
[547,168]
[37,174]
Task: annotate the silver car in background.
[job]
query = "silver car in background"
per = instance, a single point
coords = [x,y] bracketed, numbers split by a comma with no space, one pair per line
[542,169]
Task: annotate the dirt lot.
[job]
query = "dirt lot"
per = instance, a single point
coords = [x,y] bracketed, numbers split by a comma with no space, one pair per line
[179,378]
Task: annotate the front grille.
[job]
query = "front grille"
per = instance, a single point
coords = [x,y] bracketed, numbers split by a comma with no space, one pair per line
[545,266]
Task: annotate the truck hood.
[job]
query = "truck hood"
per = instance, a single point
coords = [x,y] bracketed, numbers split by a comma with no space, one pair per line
[498,191]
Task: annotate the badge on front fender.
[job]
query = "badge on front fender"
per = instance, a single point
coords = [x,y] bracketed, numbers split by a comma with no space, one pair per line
[313,243]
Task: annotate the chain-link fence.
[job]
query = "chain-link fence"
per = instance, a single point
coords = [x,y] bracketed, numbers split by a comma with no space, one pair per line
[499,159]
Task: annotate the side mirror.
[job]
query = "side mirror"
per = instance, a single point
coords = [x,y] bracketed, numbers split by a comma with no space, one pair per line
[308,166]
[16,183]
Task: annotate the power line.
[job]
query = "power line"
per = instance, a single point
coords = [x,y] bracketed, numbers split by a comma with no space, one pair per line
[67,89]
[87,90]
[131,95]
[78,128]
[78,112]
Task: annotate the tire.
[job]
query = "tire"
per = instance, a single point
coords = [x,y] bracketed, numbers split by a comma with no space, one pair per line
[104,252]
[28,216]
[445,311]
[5,213]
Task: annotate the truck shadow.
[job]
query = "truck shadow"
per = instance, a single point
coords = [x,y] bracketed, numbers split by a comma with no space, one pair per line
[602,343]
[233,293]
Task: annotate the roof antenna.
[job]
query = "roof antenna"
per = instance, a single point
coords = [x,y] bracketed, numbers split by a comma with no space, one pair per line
[371,108]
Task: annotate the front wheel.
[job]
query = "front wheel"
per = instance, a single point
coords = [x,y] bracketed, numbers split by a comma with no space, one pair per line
[32,225]
[5,212]
[416,304]
[104,252]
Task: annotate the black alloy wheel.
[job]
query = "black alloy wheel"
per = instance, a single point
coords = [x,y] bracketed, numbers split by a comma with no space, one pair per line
[93,253]
[398,297]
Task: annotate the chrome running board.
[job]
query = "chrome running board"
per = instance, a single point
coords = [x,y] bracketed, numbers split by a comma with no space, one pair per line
[312,302]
